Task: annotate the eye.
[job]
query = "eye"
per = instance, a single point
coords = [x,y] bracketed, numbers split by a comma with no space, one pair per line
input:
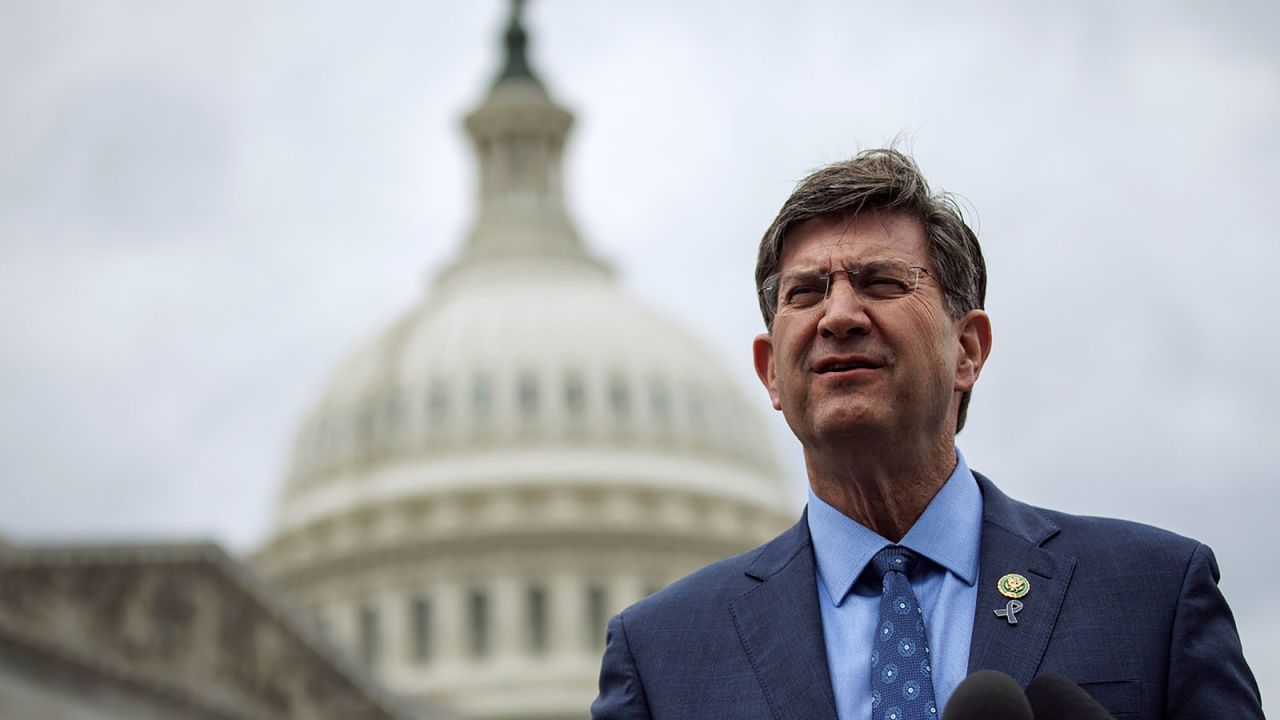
[883,280]
[884,285]
[803,294]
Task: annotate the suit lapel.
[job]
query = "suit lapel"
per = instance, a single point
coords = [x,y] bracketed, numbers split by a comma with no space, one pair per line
[1012,534]
[780,626]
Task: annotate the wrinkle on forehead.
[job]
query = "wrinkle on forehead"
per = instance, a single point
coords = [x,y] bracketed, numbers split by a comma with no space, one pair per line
[848,240]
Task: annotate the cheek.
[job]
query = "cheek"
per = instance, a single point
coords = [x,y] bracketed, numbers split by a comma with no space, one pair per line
[935,345]
[789,358]
[789,346]
[798,360]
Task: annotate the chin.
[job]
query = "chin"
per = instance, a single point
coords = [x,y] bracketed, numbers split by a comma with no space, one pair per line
[848,423]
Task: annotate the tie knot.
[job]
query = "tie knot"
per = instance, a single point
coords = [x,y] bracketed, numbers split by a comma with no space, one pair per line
[894,558]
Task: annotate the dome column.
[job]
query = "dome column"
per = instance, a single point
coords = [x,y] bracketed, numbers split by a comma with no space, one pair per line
[507,617]
[569,612]
[452,625]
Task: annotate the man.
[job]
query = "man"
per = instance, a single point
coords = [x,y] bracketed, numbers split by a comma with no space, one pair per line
[908,571]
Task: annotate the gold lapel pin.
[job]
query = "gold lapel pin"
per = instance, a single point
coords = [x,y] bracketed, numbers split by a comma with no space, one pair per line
[1013,586]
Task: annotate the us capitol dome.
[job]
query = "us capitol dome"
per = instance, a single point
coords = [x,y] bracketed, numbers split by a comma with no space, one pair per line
[522,454]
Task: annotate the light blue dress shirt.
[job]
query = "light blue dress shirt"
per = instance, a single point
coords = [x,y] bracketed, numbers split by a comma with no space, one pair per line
[947,535]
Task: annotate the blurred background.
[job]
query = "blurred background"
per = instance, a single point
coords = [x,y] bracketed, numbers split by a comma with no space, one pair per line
[205,208]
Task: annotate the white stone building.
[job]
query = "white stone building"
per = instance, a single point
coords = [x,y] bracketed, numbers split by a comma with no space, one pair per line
[521,455]
[166,631]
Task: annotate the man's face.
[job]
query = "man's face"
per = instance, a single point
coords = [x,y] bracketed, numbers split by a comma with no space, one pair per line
[858,367]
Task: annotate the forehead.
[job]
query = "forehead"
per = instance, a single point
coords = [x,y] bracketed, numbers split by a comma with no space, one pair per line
[835,240]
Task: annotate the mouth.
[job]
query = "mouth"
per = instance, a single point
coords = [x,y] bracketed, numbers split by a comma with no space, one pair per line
[844,364]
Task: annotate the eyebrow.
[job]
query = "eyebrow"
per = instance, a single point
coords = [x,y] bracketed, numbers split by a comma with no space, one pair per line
[802,273]
[825,269]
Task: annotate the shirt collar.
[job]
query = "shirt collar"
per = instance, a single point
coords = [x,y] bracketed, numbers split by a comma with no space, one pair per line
[947,533]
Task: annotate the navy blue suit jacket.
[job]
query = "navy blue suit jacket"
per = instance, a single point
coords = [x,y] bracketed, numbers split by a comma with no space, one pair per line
[1130,612]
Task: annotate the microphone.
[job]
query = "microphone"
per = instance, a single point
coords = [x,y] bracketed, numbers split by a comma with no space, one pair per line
[988,694]
[1054,697]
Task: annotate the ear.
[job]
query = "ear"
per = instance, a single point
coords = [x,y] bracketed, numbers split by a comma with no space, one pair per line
[973,348]
[762,352]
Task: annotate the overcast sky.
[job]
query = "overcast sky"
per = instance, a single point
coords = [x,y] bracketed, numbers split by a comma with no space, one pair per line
[205,206]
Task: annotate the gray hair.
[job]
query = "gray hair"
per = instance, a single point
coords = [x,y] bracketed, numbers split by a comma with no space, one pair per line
[886,179]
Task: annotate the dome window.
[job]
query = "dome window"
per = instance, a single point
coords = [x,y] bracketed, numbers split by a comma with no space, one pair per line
[520,179]
[697,411]
[365,432]
[597,615]
[370,638]
[659,401]
[420,623]
[478,622]
[437,406]
[536,619]
[392,416]
[575,396]
[529,397]
[620,398]
[481,398]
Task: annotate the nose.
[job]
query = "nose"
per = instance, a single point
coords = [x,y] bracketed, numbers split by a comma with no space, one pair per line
[844,311]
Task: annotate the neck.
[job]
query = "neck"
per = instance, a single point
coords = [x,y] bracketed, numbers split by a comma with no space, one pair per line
[885,493]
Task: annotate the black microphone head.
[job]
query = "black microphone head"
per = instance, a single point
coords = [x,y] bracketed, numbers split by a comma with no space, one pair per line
[1054,697]
[988,695]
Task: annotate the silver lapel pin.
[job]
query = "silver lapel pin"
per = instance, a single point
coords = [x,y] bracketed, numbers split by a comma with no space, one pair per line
[1010,611]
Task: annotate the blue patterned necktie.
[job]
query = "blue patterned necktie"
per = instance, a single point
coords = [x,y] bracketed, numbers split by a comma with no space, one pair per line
[901,673]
